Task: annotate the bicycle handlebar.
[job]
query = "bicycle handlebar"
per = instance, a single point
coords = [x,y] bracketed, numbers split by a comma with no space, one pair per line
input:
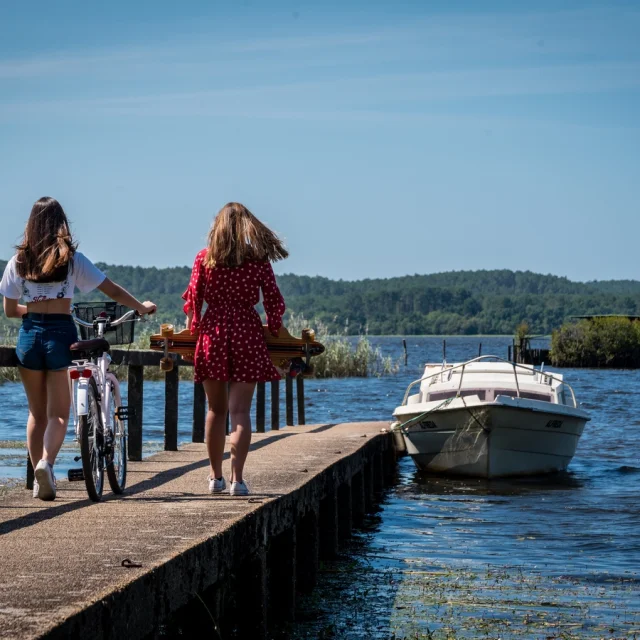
[127,317]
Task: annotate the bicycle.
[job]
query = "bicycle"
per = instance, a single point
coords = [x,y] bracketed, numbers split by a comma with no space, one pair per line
[99,416]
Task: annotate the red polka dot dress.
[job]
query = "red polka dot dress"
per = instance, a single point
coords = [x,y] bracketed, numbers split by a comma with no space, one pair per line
[231,344]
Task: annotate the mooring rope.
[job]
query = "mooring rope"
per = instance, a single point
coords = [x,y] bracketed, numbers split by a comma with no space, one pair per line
[405,425]
[419,418]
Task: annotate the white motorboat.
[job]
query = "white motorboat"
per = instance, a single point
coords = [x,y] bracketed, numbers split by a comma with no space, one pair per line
[490,418]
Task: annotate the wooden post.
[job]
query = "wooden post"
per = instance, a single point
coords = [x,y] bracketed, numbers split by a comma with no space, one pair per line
[30,476]
[171,409]
[260,407]
[135,403]
[275,405]
[444,350]
[300,398]
[228,427]
[288,385]
[199,411]
[404,346]
[479,349]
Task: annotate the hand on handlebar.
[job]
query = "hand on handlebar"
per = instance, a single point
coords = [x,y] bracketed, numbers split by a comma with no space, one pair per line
[149,308]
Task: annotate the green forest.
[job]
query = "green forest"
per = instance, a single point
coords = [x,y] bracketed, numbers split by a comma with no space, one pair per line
[456,302]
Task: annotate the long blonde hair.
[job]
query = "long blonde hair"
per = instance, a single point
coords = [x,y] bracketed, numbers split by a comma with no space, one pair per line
[47,247]
[237,236]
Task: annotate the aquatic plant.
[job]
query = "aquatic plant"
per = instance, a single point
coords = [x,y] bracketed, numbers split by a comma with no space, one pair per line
[343,357]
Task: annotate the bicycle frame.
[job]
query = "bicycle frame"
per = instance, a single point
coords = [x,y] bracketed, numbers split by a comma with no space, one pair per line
[104,379]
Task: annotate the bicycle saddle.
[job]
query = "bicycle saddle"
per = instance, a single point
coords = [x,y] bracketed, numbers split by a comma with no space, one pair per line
[98,345]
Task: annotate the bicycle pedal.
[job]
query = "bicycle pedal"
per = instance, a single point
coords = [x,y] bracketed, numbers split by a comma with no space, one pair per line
[75,475]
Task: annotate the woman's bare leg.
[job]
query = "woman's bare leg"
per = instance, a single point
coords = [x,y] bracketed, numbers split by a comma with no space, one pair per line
[216,423]
[58,406]
[240,397]
[35,386]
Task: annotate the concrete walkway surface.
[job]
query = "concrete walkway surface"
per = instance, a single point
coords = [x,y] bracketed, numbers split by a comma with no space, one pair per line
[61,559]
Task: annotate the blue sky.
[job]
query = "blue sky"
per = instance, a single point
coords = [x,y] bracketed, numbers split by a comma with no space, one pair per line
[379,138]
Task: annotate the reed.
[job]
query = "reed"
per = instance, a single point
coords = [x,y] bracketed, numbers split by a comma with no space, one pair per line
[343,357]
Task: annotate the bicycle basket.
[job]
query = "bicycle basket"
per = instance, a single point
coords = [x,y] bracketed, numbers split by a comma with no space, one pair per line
[89,311]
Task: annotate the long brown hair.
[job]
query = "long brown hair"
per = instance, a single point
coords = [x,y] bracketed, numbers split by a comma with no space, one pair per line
[47,247]
[237,236]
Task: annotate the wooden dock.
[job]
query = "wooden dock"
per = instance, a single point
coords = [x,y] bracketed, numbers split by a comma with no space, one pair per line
[64,563]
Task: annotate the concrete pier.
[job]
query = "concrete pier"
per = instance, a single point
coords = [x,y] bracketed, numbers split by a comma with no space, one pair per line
[61,563]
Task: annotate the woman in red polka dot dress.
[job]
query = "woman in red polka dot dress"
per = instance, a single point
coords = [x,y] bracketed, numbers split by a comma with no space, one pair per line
[231,352]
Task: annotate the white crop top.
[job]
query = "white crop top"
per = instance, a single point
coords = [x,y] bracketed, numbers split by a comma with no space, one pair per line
[82,274]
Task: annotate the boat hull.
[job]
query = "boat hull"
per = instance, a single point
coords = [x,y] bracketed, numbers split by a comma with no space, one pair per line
[494,441]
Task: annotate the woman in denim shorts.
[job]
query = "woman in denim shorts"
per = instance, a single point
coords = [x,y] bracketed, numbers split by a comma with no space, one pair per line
[44,273]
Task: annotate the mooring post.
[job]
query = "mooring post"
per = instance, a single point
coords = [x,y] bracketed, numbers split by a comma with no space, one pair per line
[307,548]
[228,427]
[260,407]
[275,405]
[404,346]
[368,486]
[30,476]
[135,404]
[358,508]
[378,472]
[345,511]
[329,526]
[171,409]
[199,410]
[252,585]
[281,576]
[300,399]
[288,385]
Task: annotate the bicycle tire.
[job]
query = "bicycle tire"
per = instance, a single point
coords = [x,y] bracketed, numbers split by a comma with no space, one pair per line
[116,459]
[92,456]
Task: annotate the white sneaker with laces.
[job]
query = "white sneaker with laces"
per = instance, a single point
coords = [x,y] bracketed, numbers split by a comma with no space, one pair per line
[216,486]
[46,481]
[238,489]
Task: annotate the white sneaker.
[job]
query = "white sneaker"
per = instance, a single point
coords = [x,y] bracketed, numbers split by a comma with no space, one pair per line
[46,481]
[216,486]
[238,489]
[36,488]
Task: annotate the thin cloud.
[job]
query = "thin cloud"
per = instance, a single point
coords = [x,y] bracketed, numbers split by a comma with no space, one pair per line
[440,37]
[362,92]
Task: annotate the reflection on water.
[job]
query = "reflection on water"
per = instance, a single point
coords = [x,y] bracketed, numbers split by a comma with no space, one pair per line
[554,557]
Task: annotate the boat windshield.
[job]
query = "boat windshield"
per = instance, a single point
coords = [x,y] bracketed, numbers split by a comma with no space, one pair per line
[452,393]
[528,395]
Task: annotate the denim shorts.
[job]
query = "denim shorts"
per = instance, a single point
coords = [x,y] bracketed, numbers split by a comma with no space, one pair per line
[44,341]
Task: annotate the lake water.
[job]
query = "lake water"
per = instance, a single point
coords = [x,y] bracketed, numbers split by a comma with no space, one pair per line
[556,557]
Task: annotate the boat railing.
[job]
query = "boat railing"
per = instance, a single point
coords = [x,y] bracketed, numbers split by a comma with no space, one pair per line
[463,365]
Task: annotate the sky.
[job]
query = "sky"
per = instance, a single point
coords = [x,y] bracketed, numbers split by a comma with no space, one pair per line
[377,138]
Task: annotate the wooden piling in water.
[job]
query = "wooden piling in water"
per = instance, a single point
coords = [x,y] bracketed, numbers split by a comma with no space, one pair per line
[135,403]
[199,412]
[300,399]
[275,405]
[260,407]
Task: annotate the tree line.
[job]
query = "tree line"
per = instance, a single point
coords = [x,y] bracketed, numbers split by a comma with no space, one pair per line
[456,302]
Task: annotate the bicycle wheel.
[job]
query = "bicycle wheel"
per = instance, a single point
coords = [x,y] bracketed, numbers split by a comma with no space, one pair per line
[116,448]
[91,445]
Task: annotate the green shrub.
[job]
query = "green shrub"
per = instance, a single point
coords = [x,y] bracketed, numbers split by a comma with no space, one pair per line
[601,342]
